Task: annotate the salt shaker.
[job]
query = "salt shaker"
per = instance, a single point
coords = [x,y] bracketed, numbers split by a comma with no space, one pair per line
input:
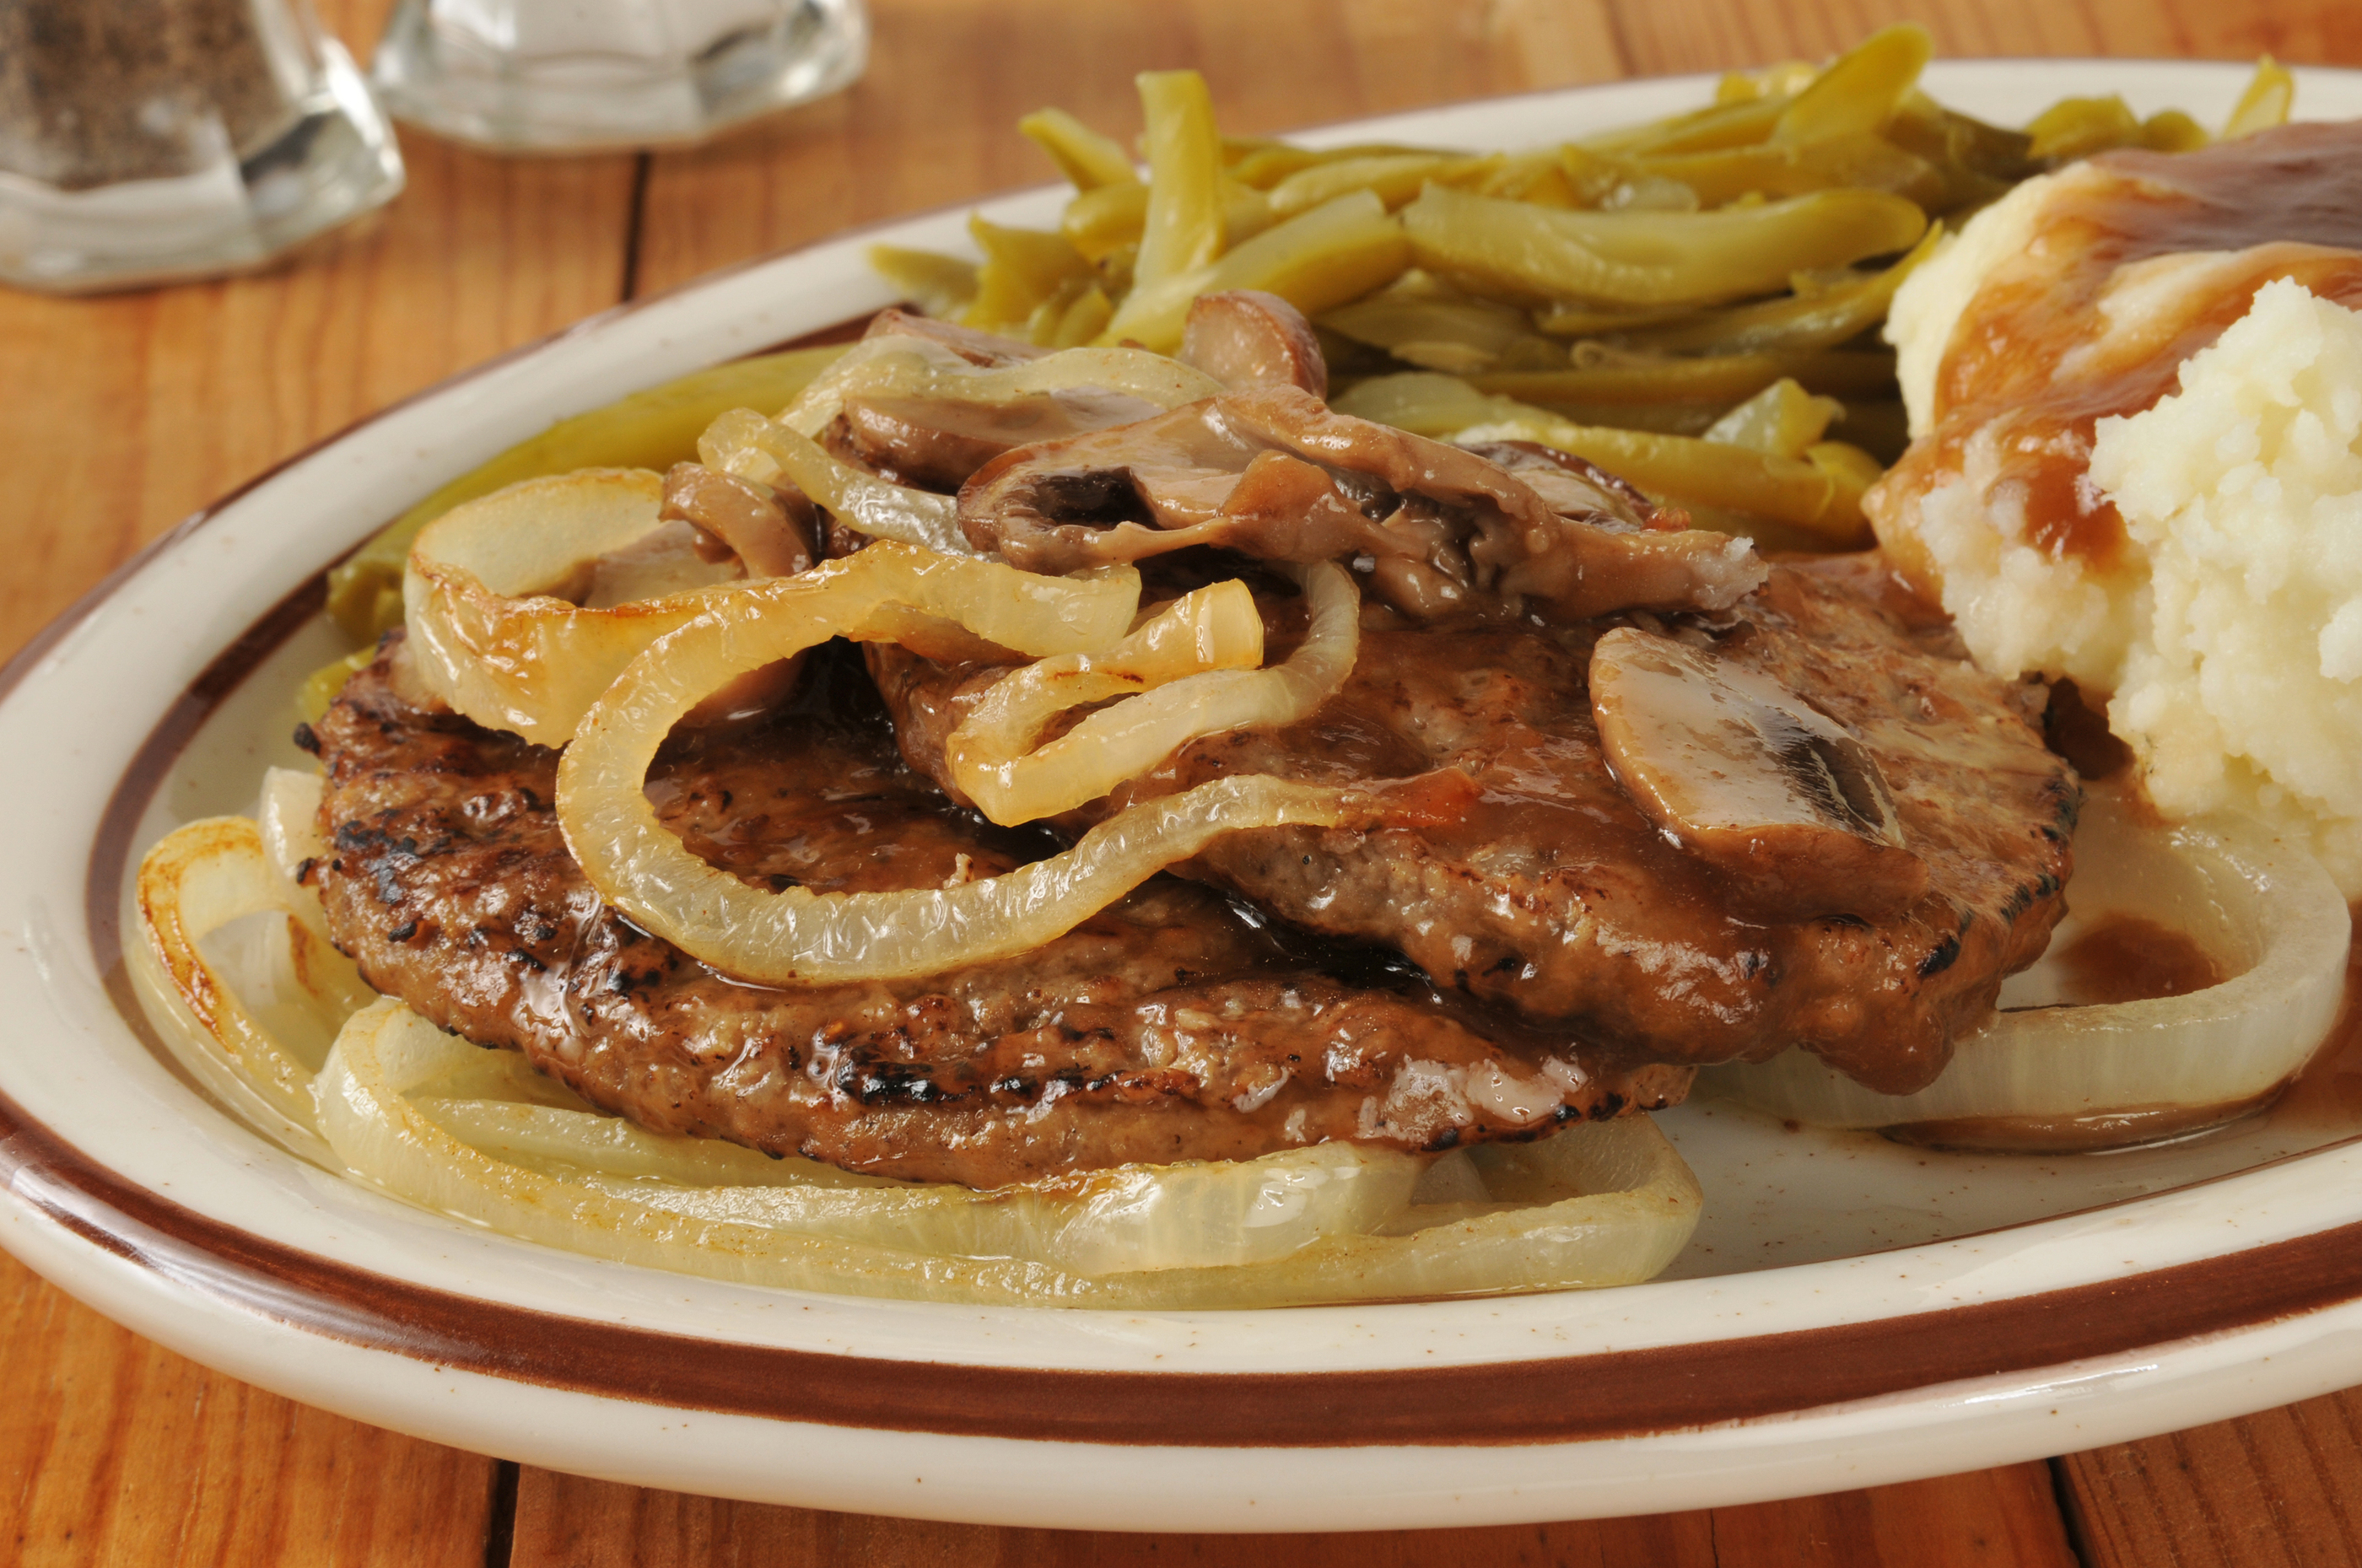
[585,76]
[142,140]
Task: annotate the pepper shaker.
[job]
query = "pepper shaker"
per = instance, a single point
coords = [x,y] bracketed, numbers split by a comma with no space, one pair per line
[143,140]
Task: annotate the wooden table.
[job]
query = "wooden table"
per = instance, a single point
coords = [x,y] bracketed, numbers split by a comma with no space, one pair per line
[119,416]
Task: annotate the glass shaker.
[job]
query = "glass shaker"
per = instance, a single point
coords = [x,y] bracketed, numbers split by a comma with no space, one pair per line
[142,140]
[586,75]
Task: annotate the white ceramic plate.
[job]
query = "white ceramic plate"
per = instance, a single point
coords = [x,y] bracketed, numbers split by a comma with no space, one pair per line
[1851,1312]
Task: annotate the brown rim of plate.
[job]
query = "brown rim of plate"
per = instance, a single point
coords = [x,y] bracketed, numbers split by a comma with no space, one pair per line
[1615,1394]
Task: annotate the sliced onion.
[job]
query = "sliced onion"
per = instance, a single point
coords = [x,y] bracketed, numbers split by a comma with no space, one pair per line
[488,633]
[248,1051]
[2046,1075]
[744,443]
[799,936]
[289,822]
[902,366]
[1188,668]
[422,1114]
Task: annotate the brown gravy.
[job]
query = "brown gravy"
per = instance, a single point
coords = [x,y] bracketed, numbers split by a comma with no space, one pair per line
[2291,200]
[2129,957]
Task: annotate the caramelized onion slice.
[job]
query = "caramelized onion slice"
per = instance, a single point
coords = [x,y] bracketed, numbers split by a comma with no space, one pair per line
[253,1024]
[478,1135]
[1192,680]
[1750,778]
[797,936]
[903,365]
[2042,1074]
[744,444]
[489,633]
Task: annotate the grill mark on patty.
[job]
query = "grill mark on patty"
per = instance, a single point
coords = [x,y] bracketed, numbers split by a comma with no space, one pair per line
[1175,1025]
[1553,896]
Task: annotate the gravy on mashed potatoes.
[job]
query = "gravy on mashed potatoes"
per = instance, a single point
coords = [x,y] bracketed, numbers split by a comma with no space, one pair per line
[2195,556]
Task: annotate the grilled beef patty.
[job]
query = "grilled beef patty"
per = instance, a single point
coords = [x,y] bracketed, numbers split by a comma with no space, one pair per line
[1172,1026]
[1552,895]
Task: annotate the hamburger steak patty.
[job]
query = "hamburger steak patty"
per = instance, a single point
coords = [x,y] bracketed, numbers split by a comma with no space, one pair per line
[1554,895]
[1171,1026]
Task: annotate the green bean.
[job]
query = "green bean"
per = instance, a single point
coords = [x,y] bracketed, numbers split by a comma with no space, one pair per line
[1421,401]
[1816,317]
[1583,320]
[2077,128]
[1861,88]
[1783,419]
[1183,230]
[939,285]
[1262,163]
[1315,261]
[1422,321]
[1538,254]
[2171,130]
[1860,160]
[1085,156]
[1877,426]
[1102,223]
[1722,379]
[1021,268]
[1683,470]
[1740,124]
[1395,177]
[1976,162]
[2265,103]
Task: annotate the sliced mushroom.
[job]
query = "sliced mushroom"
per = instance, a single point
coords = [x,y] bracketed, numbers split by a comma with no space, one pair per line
[768,529]
[1750,778]
[976,347]
[1246,338]
[937,442]
[1274,474]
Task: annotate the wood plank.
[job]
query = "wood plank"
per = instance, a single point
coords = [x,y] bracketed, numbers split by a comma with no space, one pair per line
[118,1451]
[2282,1489]
[1996,1519]
[1666,36]
[927,125]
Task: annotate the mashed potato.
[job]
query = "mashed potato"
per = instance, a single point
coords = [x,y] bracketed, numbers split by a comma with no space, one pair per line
[2241,687]
[2227,632]
[2019,606]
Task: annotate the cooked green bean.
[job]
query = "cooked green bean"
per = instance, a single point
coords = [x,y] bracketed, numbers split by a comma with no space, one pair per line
[1783,419]
[1861,161]
[1021,269]
[1087,160]
[1860,89]
[1315,261]
[1423,321]
[1723,379]
[1828,315]
[2265,103]
[939,285]
[1537,253]
[1183,231]
[1677,297]
[1396,178]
